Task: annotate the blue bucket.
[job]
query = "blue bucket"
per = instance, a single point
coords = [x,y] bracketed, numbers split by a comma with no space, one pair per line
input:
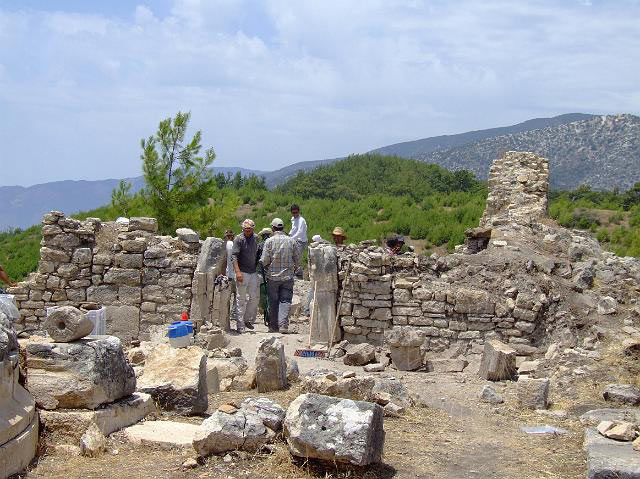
[179,330]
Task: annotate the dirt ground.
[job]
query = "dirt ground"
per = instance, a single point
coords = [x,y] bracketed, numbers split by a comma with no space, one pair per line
[450,434]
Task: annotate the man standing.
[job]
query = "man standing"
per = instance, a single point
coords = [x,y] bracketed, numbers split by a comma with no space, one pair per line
[338,236]
[280,256]
[299,234]
[245,254]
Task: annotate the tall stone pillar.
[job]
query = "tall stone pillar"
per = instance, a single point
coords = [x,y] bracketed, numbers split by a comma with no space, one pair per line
[212,261]
[323,267]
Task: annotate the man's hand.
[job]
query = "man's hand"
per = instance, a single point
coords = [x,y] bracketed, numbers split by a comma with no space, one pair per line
[239,277]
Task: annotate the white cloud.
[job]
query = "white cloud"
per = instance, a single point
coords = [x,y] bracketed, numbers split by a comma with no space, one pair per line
[274,82]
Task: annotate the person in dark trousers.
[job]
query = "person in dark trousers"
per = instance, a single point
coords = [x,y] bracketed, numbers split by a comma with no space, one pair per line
[264,233]
[245,259]
[280,257]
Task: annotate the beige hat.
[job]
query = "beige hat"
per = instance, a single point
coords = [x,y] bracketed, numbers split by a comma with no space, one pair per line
[265,231]
[337,231]
[248,223]
[277,223]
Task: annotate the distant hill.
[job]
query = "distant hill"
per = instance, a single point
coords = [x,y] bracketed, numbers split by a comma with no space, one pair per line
[602,152]
[24,206]
[412,149]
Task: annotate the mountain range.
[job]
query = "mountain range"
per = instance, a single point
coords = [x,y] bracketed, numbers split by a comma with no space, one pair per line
[600,151]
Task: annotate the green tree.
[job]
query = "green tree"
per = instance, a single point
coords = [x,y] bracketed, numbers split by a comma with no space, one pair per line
[175,175]
[121,198]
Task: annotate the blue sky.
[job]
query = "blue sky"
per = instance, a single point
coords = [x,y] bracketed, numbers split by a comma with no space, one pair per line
[274,82]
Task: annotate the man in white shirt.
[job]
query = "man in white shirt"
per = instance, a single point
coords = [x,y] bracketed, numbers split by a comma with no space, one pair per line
[299,233]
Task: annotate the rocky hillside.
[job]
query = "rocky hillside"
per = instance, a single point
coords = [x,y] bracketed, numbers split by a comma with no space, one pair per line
[602,152]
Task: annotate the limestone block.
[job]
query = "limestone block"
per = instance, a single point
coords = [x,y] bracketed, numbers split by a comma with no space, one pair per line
[222,432]
[622,393]
[109,418]
[66,323]
[164,434]
[82,256]
[607,458]
[446,365]
[498,361]
[359,354]
[83,374]
[532,393]
[128,260]
[119,276]
[176,378]
[334,429]
[271,413]
[212,257]
[187,235]
[473,301]
[271,367]
[143,224]
[123,322]
[138,245]
[17,453]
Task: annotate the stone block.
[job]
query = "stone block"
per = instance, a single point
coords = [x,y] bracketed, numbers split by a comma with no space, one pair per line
[138,245]
[446,365]
[607,459]
[123,322]
[473,301]
[83,374]
[622,394]
[532,393]
[336,430]
[176,378]
[143,224]
[271,367]
[359,354]
[222,432]
[109,418]
[119,276]
[498,361]
[128,260]
[164,434]
[406,358]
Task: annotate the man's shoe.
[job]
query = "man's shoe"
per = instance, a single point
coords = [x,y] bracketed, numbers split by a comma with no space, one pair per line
[248,325]
[284,331]
[273,330]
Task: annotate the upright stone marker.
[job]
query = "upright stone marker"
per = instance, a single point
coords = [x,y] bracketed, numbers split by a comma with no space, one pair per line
[271,367]
[498,361]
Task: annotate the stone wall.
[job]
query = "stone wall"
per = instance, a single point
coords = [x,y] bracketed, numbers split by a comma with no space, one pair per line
[518,186]
[383,291]
[143,279]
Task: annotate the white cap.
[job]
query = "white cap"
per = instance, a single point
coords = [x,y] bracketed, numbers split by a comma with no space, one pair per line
[316,238]
[277,223]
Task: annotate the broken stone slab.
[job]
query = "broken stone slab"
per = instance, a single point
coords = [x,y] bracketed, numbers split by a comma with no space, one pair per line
[498,361]
[607,459]
[271,367]
[245,381]
[143,224]
[293,372]
[359,354]
[333,429]
[622,393]
[17,453]
[446,365]
[406,358]
[222,432]
[617,430]
[528,367]
[533,393]
[271,413]
[83,374]
[176,378]
[228,368]
[404,336]
[66,323]
[162,433]
[490,395]
[108,418]
[595,416]
[373,368]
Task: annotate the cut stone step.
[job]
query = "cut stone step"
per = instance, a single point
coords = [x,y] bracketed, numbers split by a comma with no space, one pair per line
[162,433]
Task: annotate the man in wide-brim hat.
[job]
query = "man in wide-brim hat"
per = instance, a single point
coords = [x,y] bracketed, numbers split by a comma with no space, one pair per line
[338,236]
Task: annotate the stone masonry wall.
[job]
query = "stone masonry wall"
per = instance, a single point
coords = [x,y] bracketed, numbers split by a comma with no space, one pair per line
[142,279]
[383,291]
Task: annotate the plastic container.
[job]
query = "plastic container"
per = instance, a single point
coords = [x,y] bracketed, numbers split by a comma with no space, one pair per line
[180,333]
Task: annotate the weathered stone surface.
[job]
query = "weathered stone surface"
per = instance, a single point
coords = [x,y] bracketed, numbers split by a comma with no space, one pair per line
[533,393]
[66,323]
[17,453]
[108,418]
[222,432]
[404,336]
[187,235]
[333,429]
[498,361]
[168,434]
[622,393]
[595,416]
[489,395]
[143,224]
[406,358]
[271,367]
[446,365]
[92,443]
[176,378]
[617,430]
[213,256]
[123,322]
[359,354]
[271,413]
[607,305]
[293,372]
[609,459]
[83,374]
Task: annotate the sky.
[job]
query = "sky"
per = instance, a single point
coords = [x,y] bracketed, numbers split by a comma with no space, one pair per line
[273,82]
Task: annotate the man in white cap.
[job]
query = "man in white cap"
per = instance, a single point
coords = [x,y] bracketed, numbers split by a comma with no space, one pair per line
[245,259]
[280,257]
